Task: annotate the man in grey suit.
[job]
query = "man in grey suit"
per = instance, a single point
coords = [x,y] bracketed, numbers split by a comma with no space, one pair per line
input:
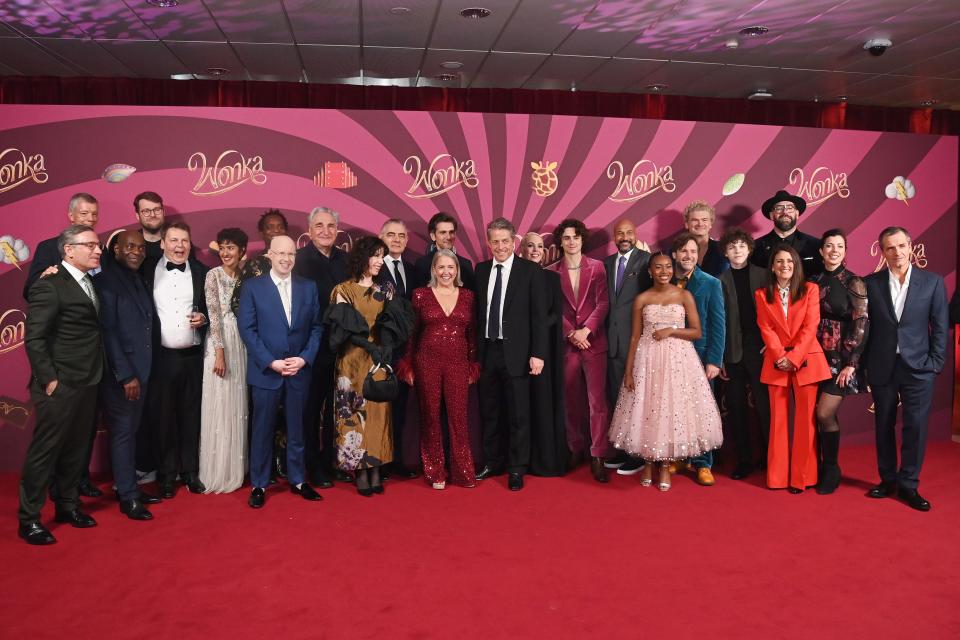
[906,350]
[627,277]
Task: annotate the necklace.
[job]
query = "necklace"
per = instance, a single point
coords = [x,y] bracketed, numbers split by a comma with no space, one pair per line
[576,268]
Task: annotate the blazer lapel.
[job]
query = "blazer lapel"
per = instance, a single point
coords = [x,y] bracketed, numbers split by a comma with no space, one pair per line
[566,286]
[610,266]
[887,297]
[911,293]
[128,283]
[586,281]
[278,302]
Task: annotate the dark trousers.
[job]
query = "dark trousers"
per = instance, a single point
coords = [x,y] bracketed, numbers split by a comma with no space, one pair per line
[616,367]
[123,421]
[398,411]
[504,412]
[58,448]
[915,391]
[178,381]
[743,375]
[319,431]
[265,403]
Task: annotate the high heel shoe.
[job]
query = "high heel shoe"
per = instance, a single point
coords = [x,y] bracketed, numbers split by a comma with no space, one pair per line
[647,478]
[439,486]
[366,492]
[664,486]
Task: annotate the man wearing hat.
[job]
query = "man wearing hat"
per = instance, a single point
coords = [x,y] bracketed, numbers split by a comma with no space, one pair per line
[784,210]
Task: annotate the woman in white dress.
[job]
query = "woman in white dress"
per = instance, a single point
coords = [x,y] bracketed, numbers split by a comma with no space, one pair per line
[223,410]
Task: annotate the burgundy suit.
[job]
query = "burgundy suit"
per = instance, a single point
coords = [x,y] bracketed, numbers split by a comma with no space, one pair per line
[585,370]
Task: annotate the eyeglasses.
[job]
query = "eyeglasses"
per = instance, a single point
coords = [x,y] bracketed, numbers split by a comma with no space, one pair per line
[784,207]
[89,245]
[152,213]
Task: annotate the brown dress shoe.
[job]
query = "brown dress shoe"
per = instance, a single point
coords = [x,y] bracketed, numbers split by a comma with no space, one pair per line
[598,470]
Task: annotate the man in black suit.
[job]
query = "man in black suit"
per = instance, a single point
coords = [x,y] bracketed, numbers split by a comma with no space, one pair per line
[65,350]
[176,380]
[627,277]
[784,210]
[326,265]
[126,314]
[906,350]
[443,233]
[512,343]
[398,273]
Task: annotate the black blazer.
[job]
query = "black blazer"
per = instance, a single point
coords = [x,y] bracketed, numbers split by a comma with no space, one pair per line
[422,271]
[386,276]
[62,338]
[45,255]
[806,245]
[524,314]
[636,280]
[921,332]
[198,273]
[758,279]
[127,316]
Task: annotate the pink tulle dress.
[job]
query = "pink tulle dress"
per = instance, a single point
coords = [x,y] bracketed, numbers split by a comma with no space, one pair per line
[671,413]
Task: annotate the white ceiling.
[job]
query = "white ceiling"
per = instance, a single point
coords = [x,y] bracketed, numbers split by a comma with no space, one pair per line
[813,49]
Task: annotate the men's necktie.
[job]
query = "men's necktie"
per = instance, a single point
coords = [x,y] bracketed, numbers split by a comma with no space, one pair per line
[621,266]
[87,283]
[285,299]
[401,287]
[493,323]
[178,267]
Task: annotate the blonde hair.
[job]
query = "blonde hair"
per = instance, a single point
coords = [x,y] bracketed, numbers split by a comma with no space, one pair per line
[444,253]
[699,205]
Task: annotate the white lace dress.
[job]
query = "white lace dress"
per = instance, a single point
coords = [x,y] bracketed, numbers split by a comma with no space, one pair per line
[223,410]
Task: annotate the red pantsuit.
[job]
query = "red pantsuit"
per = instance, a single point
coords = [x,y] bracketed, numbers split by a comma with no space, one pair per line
[585,370]
[794,336]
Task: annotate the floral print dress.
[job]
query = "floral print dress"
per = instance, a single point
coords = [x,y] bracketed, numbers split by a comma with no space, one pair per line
[364,428]
[843,328]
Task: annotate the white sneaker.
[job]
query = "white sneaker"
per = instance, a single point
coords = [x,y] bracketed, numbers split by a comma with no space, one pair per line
[631,467]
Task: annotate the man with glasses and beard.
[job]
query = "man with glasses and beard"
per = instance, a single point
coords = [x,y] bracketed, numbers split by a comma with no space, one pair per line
[149,208]
[784,210]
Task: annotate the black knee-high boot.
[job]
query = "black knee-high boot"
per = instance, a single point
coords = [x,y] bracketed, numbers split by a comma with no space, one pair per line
[830,469]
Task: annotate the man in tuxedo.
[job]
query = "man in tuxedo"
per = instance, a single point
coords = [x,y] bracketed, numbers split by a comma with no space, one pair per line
[698,219]
[627,277]
[65,350]
[512,342]
[83,209]
[279,323]
[176,282]
[442,228]
[398,273]
[126,314]
[150,215]
[708,294]
[784,210]
[906,350]
[324,263]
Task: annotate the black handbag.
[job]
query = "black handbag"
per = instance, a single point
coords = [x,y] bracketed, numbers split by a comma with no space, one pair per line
[385,390]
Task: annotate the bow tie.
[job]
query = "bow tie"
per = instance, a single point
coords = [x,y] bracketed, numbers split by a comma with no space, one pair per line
[178,267]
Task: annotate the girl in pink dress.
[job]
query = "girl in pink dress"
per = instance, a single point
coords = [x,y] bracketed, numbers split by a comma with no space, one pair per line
[666,409]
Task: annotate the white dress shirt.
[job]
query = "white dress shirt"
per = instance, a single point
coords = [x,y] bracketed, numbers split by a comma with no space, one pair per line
[286,294]
[173,297]
[898,293]
[76,273]
[504,278]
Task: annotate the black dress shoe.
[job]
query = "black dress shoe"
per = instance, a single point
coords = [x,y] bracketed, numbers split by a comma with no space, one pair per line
[75,518]
[598,470]
[489,472]
[741,471]
[306,492]
[883,490]
[257,498]
[35,533]
[794,490]
[913,499]
[149,498]
[168,489]
[135,510]
[515,481]
[87,490]
[195,486]
[342,476]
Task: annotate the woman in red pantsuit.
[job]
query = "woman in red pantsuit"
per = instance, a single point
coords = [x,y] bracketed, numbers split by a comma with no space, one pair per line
[788,313]
[442,360]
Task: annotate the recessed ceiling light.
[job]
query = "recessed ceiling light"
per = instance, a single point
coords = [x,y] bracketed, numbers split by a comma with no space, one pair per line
[760,94]
[753,32]
[401,11]
[843,98]
[929,102]
[657,87]
[446,77]
[451,64]
[217,71]
[164,4]
[475,13]
[183,76]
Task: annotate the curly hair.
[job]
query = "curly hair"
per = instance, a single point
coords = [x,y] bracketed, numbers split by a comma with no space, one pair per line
[271,213]
[733,235]
[359,257]
[578,227]
[234,235]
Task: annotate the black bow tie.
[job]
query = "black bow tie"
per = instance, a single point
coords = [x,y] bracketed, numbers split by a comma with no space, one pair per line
[178,267]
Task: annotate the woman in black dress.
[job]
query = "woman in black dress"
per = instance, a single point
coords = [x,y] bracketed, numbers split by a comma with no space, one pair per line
[843,335]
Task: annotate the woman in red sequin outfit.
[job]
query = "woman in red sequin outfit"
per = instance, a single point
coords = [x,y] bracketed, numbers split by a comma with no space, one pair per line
[442,360]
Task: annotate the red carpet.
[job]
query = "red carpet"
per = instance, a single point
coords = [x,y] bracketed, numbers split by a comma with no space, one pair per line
[565,558]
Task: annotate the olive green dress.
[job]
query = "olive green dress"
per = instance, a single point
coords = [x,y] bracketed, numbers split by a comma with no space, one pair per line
[364,428]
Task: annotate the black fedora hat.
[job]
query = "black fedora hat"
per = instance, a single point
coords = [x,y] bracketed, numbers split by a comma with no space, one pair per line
[783,196]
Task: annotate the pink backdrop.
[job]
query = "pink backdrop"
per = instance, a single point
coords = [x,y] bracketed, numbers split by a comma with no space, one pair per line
[222,167]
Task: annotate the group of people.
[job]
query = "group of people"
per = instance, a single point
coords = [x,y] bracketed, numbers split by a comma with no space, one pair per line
[299,363]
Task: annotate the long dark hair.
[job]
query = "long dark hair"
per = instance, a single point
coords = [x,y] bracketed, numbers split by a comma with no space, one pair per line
[797,286]
[359,257]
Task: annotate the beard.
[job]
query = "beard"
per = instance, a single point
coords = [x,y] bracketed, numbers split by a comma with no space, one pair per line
[785,224]
[152,227]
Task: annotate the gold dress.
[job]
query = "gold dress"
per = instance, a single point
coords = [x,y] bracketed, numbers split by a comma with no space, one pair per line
[364,428]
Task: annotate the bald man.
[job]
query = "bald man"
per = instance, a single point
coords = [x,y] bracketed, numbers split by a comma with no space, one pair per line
[627,277]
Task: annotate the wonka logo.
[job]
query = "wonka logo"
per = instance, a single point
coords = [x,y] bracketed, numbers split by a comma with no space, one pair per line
[16,167]
[822,185]
[442,174]
[644,178]
[230,170]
